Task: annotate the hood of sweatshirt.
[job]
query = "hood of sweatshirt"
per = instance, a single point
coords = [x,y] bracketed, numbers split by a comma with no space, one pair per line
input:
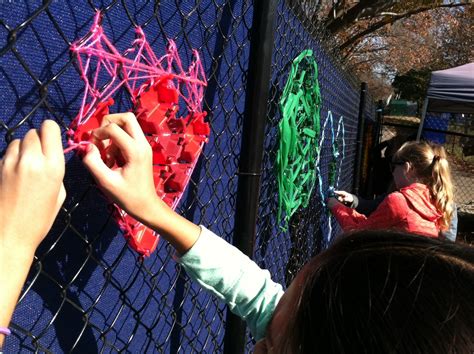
[419,198]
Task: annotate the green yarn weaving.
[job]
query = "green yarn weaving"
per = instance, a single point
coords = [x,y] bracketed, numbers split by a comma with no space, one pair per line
[299,129]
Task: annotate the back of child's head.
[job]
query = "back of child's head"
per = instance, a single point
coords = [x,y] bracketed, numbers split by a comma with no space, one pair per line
[386,292]
[431,167]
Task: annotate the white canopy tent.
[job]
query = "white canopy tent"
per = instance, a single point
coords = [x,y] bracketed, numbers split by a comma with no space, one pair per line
[450,91]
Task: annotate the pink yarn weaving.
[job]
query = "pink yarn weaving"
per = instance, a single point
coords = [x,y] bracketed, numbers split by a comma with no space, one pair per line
[157,86]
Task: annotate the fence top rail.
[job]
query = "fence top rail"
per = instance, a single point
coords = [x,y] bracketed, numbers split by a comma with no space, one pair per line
[429,129]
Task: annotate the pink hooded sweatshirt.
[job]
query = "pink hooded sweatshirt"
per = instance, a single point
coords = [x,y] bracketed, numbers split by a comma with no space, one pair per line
[410,209]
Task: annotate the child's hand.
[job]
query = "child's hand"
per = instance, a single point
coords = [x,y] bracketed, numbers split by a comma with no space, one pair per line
[31,193]
[130,183]
[31,189]
[344,197]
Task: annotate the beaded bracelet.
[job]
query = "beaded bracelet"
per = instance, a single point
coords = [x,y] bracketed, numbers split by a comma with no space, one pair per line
[5,331]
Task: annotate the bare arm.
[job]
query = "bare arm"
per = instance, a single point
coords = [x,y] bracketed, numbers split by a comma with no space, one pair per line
[31,175]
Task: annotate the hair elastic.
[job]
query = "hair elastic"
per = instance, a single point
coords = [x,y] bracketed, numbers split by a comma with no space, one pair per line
[5,330]
[436,158]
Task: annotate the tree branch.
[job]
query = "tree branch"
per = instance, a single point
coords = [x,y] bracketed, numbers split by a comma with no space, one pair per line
[351,54]
[392,19]
[359,63]
[333,25]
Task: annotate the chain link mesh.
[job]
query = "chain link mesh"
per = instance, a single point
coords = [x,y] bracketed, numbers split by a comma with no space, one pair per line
[456,133]
[87,291]
[284,253]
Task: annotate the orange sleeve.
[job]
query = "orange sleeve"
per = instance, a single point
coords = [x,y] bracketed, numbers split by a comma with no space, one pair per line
[390,212]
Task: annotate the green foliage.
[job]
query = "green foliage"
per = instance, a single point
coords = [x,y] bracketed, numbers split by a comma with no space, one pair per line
[413,85]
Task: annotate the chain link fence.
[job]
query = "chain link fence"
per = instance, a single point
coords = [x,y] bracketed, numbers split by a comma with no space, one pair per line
[455,132]
[310,229]
[87,290]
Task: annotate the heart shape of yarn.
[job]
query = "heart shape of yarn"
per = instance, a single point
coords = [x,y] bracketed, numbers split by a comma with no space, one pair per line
[176,142]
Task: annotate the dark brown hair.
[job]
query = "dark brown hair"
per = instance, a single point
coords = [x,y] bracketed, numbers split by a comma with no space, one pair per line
[386,292]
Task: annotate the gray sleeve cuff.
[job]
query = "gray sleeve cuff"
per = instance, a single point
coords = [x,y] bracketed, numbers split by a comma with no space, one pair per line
[355,203]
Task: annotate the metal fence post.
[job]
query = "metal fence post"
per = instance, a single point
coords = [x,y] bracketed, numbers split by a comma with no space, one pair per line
[360,139]
[369,187]
[422,119]
[251,154]
[378,125]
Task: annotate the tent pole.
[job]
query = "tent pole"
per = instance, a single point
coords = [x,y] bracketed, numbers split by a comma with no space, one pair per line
[422,120]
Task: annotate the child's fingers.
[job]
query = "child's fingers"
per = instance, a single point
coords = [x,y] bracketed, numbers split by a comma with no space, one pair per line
[31,142]
[96,166]
[127,121]
[11,155]
[51,144]
[120,138]
[13,148]
[342,196]
[110,155]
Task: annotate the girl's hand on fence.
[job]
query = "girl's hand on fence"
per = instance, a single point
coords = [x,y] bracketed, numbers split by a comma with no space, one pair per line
[129,180]
[31,189]
[344,197]
[31,194]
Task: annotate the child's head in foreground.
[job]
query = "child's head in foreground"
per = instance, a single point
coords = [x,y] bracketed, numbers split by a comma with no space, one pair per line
[379,292]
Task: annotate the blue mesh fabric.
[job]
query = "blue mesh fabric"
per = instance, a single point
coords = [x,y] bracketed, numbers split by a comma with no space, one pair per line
[87,291]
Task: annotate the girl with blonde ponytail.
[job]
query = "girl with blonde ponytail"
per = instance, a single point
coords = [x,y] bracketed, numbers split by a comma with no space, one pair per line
[430,166]
[423,202]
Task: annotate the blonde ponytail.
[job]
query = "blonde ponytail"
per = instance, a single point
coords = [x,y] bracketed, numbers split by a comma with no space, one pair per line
[432,168]
[442,186]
